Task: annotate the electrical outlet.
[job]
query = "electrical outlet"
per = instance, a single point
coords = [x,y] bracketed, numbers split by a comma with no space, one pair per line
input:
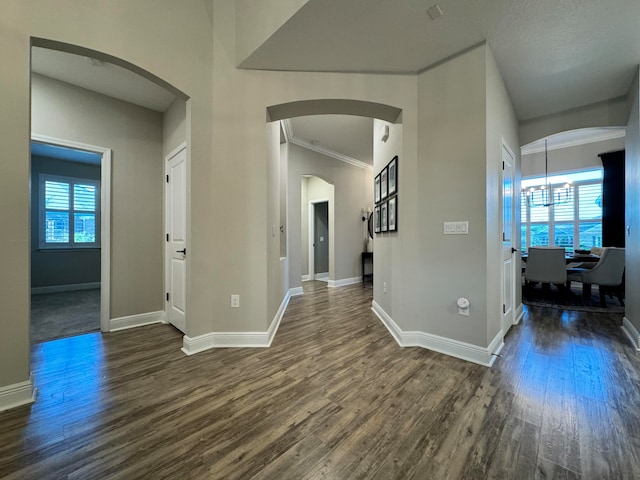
[235,301]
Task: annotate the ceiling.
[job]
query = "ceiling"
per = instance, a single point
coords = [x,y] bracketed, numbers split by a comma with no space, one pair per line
[105,78]
[553,55]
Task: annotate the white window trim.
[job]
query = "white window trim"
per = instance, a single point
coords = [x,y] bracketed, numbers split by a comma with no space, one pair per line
[71,245]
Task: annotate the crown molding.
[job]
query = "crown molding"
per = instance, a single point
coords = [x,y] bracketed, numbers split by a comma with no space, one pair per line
[598,137]
[291,138]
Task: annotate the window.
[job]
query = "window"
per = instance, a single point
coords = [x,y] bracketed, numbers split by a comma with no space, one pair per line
[69,212]
[573,225]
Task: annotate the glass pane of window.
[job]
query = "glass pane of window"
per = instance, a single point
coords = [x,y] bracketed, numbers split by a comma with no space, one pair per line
[539,214]
[523,237]
[523,207]
[56,229]
[590,235]
[563,235]
[56,195]
[84,228]
[539,235]
[563,211]
[84,197]
[590,201]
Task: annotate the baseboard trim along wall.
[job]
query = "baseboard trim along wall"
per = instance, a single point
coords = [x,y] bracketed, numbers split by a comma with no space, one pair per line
[18,394]
[72,287]
[193,345]
[344,282]
[139,320]
[306,278]
[472,353]
[631,332]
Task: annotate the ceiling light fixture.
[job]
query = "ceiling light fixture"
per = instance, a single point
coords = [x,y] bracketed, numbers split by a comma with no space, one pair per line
[547,194]
[435,12]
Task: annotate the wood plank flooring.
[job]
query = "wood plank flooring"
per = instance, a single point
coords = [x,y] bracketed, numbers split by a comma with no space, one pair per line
[333,398]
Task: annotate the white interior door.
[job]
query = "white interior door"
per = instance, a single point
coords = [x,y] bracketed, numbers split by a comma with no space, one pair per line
[176,240]
[508,250]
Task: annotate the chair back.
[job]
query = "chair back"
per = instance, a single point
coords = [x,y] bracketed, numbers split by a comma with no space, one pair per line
[546,265]
[609,270]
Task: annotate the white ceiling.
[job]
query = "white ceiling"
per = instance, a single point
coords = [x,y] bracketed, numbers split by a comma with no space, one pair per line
[553,55]
[104,78]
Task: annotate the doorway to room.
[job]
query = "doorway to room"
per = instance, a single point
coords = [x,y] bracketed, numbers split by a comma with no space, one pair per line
[319,236]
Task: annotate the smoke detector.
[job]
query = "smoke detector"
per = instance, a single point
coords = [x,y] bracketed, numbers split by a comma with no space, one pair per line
[434,12]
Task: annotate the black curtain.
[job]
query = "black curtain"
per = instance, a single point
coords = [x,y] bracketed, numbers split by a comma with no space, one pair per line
[613,234]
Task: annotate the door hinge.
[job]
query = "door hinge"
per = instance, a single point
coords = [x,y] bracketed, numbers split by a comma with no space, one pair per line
[167,296]
[504,307]
[167,237]
[167,178]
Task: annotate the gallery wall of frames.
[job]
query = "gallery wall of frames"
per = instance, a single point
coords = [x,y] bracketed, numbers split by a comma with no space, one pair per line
[385,213]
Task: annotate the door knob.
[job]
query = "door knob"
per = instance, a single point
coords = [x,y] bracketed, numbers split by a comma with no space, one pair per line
[183,251]
[514,250]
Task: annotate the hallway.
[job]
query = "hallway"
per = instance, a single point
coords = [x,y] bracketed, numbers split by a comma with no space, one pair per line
[334,397]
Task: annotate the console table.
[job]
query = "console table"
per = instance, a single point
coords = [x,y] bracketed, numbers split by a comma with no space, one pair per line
[367,256]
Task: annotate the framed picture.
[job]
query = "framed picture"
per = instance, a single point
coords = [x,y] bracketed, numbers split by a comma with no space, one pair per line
[384,219]
[376,189]
[393,176]
[376,219]
[393,214]
[384,176]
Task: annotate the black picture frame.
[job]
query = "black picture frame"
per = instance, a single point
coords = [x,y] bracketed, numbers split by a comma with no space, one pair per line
[384,185]
[376,189]
[392,178]
[376,219]
[384,217]
[392,210]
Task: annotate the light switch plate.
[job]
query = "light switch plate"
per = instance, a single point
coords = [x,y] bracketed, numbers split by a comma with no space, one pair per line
[456,228]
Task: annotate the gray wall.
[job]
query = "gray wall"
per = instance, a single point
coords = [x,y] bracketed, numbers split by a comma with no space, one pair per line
[135,136]
[60,267]
[632,207]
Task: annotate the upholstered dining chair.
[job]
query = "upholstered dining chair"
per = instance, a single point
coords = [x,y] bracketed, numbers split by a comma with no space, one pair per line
[607,273]
[546,265]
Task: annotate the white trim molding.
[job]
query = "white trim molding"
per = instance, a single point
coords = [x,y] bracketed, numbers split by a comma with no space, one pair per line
[306,278]
[291,138]
[631,332]
[71,287]
[466,351]
[519,314]
[139,320]
[193,345]
[343,282]
[18,394]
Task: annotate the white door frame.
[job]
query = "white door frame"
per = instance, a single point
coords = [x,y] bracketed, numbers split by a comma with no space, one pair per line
[105,218]
[509,320]
[182,146]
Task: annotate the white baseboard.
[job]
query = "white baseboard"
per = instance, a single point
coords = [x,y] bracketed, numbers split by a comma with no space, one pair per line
[631,332]
[519,314]
[306,278]
[139,320]
[72,287]
[344,282]
[322,277]
[18,394]
[472,353]
[193,345]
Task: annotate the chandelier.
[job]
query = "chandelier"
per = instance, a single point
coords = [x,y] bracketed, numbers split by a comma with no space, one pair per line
[546,195]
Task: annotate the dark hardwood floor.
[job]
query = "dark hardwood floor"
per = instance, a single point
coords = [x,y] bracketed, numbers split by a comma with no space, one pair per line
[333,398]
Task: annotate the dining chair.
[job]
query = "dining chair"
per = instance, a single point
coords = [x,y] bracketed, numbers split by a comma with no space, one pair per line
[546,265]
[607,274]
